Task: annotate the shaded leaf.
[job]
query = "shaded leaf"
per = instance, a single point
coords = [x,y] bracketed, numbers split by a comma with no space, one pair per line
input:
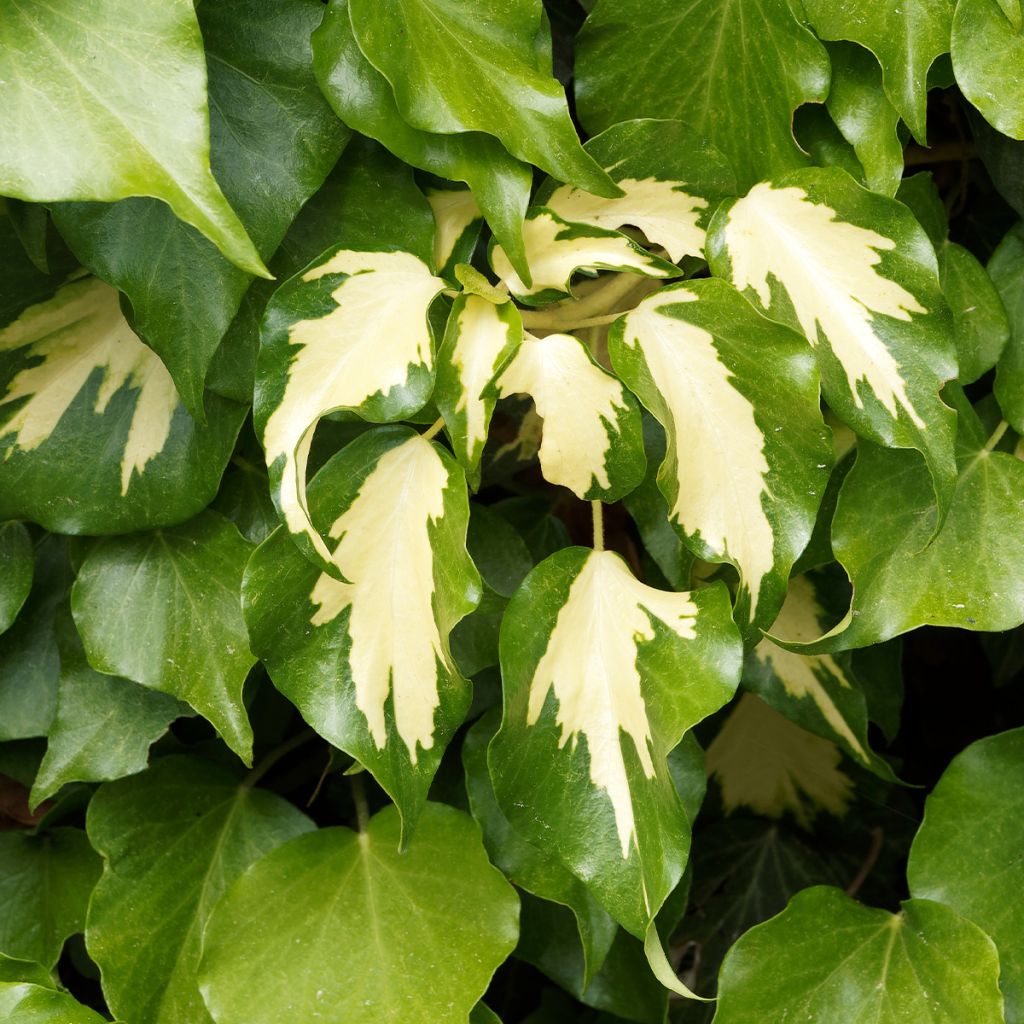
[18,560]
[1006,269]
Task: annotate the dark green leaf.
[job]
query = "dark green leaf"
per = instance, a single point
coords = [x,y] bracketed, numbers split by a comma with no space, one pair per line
[18,560]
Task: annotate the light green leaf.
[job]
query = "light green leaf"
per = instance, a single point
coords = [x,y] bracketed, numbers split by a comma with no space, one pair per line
[367,661]
[350,332]
[828,958]
[362,933]
[458,221]
[853,271]
[1006,269]
[273,141]
[179,628]
[103,726]
[906,38]
[748,65]
[91,414]
[589,653]
[967,855]
[18,559]
[592,440]
[866,118]
[988,53]
[689,353]
[556,249]
[173,840]
[454,71]
[94,79]
[45,882]
[28,1003]
[363,98]
[479,341]
[12,969]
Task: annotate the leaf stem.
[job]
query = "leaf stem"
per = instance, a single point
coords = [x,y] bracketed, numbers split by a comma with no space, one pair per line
[433,431]
[275,755]
[597,511]
[359,799]
[997,436]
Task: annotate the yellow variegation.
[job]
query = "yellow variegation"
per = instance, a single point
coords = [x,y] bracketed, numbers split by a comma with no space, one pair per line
[454,210]
[76,334]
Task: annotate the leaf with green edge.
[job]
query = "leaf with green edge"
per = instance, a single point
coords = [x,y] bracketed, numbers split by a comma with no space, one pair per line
[367,661]
[103,726]
[765,762]
[350,332]
[988,51]
[363,98]
[458,222]
[689,352]
[453,71]
[30,1003]
[273,141]
[588,653]
[93,436]
[855,273]
[29,659]
[480,339]
[906,38]
[173,840]
[1006,269]
[18,558]
[13,969]
[45,882]
[526,865]
[592,438]
[179,629]
[826,957]
[422,931]
[966,853]
[866,118]
[749,65]
[671,177]
[94,82]
[971,575]
[819,692]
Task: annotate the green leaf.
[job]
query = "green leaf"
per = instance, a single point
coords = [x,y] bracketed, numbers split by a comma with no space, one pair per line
[93,436]
[828,958]
[966,853]
[748,66]
[28,1003]
[419,933]
[179,629]
[12,969]
[592,440]
[853,271]
[103,725]
[273,141]
[1006,269]
[363,98]
[350,332]
[94,81]
[45,882]
[866,118]
[18,559]
[589,653]
[988,50]
[458,223]
[906,39]
[479,341]
[689,353]
[367,661]
[454,71]
[173,840]
[31,222]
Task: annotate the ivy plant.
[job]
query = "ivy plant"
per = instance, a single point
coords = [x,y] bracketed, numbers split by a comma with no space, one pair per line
[511,511]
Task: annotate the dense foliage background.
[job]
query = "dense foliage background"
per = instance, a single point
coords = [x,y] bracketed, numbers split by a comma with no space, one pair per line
[420,419]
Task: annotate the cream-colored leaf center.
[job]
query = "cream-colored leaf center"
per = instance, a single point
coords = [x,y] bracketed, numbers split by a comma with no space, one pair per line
[590,665]
[79,331]
[828,268]
[717,445]
[454,210]
[384,551]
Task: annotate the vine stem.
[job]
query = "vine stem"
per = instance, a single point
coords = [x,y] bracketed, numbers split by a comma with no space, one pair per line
[275,755]
[433,431]
[997,436]
[597,511]
[359,799]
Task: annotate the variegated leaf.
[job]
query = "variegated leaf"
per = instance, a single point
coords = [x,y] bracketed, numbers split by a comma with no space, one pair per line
[671,178]
[556,249]
[480,339]
[93,436]
[349,332]
[592,437]
[367,661]
[603,675]
[458,221]
[856,273]
[748,454]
